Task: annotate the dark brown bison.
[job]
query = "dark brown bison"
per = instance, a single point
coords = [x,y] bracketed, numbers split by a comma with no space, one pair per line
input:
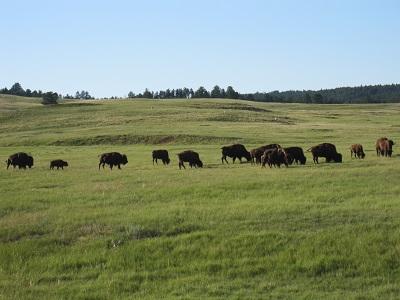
[191,157]
[295,154]
[113,159]
[161,154]
[384,147]
[20,160]
[258,152]
[274,157]
[326,150]
[235,151]
[58,163]
[357,150]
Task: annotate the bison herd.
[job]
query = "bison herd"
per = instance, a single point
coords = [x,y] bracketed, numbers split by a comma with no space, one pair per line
[272,154]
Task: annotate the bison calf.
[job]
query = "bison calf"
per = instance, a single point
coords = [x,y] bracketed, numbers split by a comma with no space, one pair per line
[191,157]
[58,163]
[357,150]
[161,154]
[113,159]
[235,151]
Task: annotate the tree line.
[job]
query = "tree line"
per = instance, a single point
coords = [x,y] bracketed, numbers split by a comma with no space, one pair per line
[187,93]
[389,93]
[17,90]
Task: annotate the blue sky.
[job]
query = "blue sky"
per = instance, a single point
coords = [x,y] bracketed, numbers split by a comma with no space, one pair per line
[113,47]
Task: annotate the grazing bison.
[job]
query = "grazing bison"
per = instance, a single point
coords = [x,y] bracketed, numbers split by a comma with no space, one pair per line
[258,152]
[161,154]
[326,150]
[235,151]
[295,154]
[113,159]
[384,147]
[191,157]
[274,157]
[357,150]
[20,160]
[58,163]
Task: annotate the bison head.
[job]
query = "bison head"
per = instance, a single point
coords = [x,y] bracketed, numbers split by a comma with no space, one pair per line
[30,161]
[338,158]
[65,164]
[124,159]
[391,143]
[167,160]
[200,163]
[248,156]
[303,160]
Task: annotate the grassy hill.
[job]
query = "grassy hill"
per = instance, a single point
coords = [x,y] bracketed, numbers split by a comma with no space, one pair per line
[224,231]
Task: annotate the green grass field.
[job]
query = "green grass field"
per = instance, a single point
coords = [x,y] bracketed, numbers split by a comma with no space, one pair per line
[224,231]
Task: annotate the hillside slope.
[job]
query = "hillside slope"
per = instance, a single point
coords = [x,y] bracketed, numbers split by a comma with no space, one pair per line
[224,231]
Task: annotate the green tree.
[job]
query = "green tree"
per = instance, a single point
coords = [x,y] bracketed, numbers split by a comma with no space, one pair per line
[201,93]
[231,93]
[147,94]
[17,89]
[318,98]
[216,92]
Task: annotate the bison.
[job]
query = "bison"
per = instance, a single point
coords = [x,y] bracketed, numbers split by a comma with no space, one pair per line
[384,147]
[274,157]
[295,154]
[161,154]
[326,150]
[357,150]
[191,157]
[235,151]
[258,152]
[20,160]
[113,159]
[58,163]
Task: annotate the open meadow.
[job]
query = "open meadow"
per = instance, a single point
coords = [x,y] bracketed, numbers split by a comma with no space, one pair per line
[224,231]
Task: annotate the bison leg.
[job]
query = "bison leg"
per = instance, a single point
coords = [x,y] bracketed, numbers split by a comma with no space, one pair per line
[233,160]
[111,166]
[223,158]
[119,166]
[181,165]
